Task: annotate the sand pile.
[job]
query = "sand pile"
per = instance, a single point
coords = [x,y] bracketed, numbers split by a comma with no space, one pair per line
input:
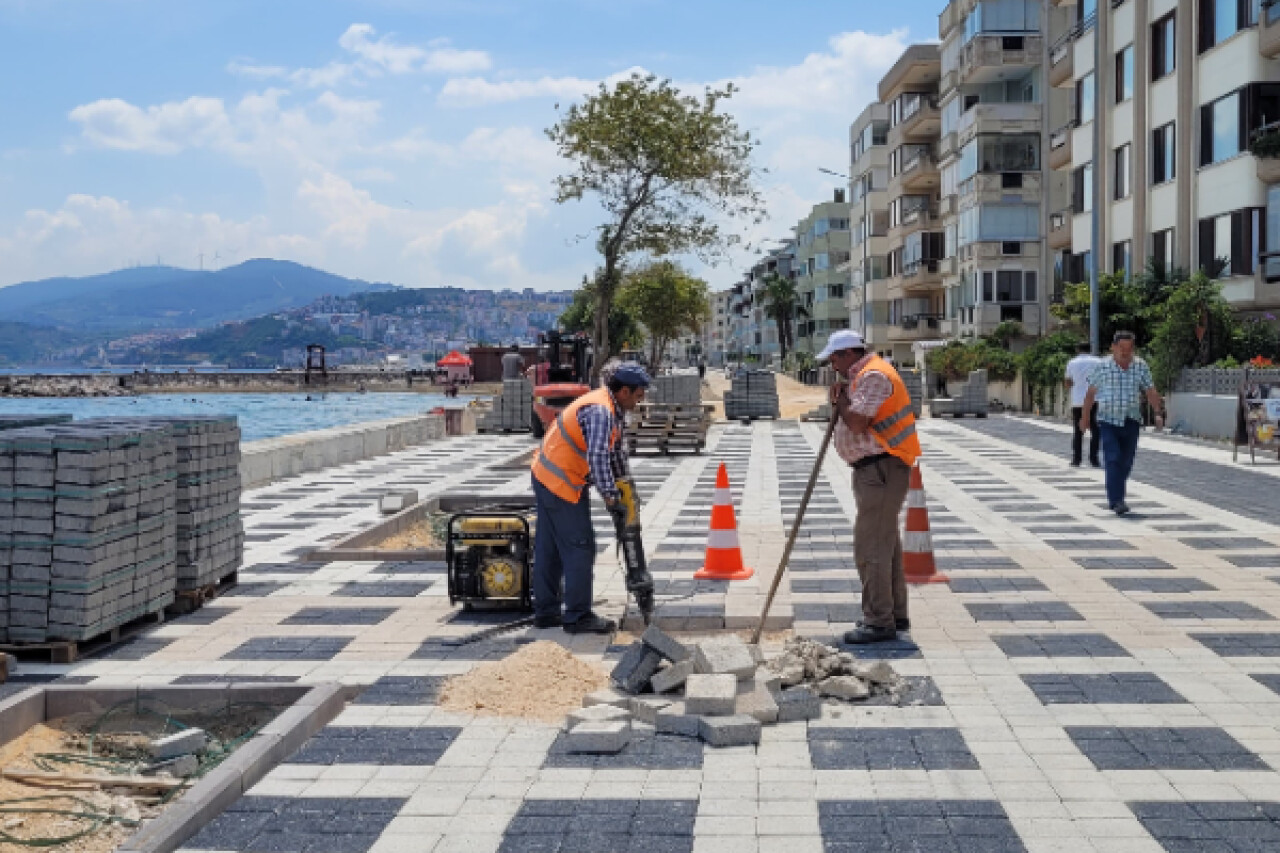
[421,535]
[542,681]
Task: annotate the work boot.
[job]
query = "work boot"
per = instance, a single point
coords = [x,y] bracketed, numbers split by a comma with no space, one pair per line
[1075,463]
[898,624]
[1121,508]
[868,634]
[591,624]
[548,620]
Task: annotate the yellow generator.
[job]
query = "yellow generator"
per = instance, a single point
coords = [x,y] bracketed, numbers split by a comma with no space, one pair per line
[490,555]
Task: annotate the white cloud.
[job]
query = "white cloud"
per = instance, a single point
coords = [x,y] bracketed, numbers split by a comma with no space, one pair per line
[247,68]
[163,129]
[477,91]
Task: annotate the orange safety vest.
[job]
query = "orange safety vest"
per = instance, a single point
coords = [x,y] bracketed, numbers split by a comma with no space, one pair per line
[561,462]
[894,426]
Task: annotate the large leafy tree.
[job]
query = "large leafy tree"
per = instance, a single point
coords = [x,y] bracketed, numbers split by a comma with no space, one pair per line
[669,170]
[667,301]
[782,305]
[580,316]
[1197,329]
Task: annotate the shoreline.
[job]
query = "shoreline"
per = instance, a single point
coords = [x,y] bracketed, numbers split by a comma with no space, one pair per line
[80,385]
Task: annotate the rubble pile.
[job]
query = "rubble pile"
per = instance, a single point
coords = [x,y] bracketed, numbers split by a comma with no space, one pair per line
[721,690]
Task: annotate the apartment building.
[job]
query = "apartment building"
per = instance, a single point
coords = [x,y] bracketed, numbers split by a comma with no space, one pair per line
[822,256]
[716,330]
[867,299]
[915,244]
[995,188]
[753,335]
[1182,89]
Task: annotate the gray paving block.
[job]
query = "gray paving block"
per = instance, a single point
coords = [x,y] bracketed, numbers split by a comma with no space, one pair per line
[710,694]
[608,696]
[597,714]
[636,667]
[599,737]
[735,730]
[675,719]
[672,677]
[664,644]
[798,703]
[758,703]
[645,708]
[185,742]
[724,655]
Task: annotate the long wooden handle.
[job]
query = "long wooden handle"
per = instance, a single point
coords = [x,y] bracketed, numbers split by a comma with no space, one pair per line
[795,525]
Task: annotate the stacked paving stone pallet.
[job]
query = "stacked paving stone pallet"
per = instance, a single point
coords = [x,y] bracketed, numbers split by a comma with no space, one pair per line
[720,690]
[972,399]
[676,388]
[669,427]
[752,394]
[90,512]
[512,411]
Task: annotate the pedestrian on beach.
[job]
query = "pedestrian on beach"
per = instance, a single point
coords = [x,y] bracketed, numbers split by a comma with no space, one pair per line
[875,434]
[1077,382]
[583,446]
[1117,386]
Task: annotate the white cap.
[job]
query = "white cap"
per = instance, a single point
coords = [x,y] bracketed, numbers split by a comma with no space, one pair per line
[843,339]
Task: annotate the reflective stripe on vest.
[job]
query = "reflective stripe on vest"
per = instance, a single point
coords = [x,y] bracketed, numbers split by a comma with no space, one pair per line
[555,469]
[568,439]
[562,463]
[894,427]
[883,424]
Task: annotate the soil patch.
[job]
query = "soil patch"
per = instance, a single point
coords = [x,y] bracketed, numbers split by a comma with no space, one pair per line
[420,536]
[541,681]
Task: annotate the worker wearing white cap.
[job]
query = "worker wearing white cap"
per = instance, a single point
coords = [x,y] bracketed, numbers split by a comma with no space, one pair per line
[876,435]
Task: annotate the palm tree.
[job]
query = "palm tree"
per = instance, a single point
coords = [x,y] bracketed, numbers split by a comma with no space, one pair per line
[782,303]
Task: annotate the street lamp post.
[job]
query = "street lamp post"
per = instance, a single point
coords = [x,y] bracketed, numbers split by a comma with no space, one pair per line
[1099,169]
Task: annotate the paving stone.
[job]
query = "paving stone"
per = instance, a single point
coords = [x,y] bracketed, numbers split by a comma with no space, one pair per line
[402,690]
[733,730]
[866,748]
[1154,748]
[419,746]
[672,677]
[1120,688]
[724,655]
[637,665]
[339,616]
[597,714]
[677,720]
[1159,584]
[1229,645]
[758,702]
[1030,611]
[599,736]
[645,708]
[603,825]
[1060,646]
[1123,564]
[381,589]
[1207,610]
[288,648]
[1227,543]
[708,694]
[991,585]
[926,826]
[798,703]
[1211,827]
[670,648]
[298,824]
[608,696]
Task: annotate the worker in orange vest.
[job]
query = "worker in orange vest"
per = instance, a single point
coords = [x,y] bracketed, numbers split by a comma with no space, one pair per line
[876,435]
[583,446]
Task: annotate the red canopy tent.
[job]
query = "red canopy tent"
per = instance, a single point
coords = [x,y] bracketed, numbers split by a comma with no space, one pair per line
[458,365]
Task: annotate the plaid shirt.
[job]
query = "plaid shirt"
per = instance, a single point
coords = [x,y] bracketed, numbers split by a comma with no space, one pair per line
[598,424]
[1118,392]
[866,396]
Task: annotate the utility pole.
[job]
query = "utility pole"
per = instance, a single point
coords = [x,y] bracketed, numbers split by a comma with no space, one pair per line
[1099,169]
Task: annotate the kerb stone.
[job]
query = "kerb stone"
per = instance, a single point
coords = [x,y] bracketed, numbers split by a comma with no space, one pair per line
[184,742]
[736,730]
[710,695]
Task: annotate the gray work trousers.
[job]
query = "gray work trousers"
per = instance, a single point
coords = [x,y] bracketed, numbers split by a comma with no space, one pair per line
[880,489]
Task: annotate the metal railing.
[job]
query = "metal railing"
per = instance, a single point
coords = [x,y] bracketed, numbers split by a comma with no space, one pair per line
[913,322]
[1062,135]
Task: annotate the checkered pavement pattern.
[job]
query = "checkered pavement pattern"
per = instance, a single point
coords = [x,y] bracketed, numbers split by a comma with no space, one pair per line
[1083,683]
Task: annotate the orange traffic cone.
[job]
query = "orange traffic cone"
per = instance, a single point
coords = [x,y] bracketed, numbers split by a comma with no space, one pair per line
[724,554]
[917,543]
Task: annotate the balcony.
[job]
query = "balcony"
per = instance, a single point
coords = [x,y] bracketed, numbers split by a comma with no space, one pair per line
[997,118]
[1269,29]
[1264,143]
[918,214]
[919,116]
[1060,146]
[1060,230]
[919,169]
[1062,59]
[923,275]
[987,316]
[996,187]
[984,59]
[917,327]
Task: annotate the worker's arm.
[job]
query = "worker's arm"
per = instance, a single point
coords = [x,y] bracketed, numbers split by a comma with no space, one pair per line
[597,425]
[1156,402]
[858,409]
[1087,408]
[856,422]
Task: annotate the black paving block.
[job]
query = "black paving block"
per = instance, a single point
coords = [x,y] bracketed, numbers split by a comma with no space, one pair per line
[402,690]
[206,615]
[288,648]
[1211,827]
[865,748]
[985,585]
[1160,584]
[382,589]
[649,752]
[832,586]
[1227,543]
[298,824]
[1269,680]
[601,826]
[1207,610]
[987,564]
[1240,645]
[916,826]
[415,746]
[137,648]
[900,649]
[1155,748]
[281,569]
[807,612]
[1029,611]
[1183,527]
[1116,688]
[1091,544]
[443,649]
[1039,518]
[946,543]
[1253,561]
[1122,564]
[339,616]
[411,568]
[254,589]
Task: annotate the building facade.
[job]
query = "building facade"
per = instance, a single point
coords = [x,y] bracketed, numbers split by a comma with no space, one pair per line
[822,260]
[867,299]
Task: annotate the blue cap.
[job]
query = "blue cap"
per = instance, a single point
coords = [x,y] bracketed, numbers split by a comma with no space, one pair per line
[631,374]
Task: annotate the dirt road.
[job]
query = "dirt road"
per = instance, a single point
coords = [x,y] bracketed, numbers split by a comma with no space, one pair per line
[794,399]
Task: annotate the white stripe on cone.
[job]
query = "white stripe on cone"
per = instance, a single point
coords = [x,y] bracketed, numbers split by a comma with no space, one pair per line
[915,499]
[722,539]
[722,497]
[917,541]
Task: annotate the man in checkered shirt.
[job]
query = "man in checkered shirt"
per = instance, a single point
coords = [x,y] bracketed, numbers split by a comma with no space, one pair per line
[1117,387]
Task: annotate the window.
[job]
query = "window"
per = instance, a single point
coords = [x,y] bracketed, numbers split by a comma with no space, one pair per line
[1086,11]
[1084,99]
[1221,19]
[1121,171]
[1236,238]
[1124,74]
[1162,249]
[1163,145]
[1009,286]
[1029,286]
[988,287]
[1220,130]
[1271,267]
[1163,47]
[989,153]
[1082,189]
[1121,257]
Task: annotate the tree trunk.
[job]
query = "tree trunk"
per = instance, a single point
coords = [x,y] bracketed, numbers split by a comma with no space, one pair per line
[606,286]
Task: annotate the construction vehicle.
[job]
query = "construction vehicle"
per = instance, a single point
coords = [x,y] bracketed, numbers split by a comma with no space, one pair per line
[559,378]
[489,557]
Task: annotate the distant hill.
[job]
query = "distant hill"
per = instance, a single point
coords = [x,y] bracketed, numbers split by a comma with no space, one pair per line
[145,298]
[22,343]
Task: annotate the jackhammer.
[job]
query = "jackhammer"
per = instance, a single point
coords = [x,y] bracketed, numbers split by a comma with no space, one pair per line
[626,522]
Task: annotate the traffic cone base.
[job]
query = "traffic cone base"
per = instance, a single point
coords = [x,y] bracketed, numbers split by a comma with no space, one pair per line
[917,542]
[724,553]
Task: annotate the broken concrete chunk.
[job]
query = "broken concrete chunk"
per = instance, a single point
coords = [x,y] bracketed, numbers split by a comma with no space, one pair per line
[767,679]
[397,501]
[598,738]
[645,708]
[185,742]
[672,677]
[847,687]
[637,666]
[608,696]
[736,730]
[791,673]
[597,714]
[798,703]
[675,719]
[664,644]
[878,673]
[724,656]
[710,694]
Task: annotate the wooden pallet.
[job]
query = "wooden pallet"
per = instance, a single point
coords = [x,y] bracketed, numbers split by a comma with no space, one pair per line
[190,600]
[68,651]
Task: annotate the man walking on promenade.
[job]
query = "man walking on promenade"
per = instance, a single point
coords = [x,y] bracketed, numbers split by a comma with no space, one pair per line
[875,434]
[582,446]
[1078,371]
[1117,386]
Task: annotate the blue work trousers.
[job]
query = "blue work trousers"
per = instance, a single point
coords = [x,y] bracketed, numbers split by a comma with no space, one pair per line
[564,555]
[1119,446]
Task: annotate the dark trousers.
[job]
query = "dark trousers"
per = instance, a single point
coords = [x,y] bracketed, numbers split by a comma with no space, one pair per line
[564,555]
[880,489]
[1119,447]
[1077,437]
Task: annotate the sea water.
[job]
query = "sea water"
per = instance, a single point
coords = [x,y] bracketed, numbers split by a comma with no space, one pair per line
[260,415]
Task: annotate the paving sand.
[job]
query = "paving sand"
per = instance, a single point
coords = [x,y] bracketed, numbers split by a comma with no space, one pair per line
[541,681]
[421,535]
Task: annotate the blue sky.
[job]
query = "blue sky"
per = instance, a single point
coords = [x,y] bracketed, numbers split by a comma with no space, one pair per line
[390,140]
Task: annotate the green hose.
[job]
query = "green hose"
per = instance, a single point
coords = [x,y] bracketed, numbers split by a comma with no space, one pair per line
[99,820]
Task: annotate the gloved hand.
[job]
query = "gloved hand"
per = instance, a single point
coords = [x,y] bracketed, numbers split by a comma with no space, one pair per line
[618,511]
